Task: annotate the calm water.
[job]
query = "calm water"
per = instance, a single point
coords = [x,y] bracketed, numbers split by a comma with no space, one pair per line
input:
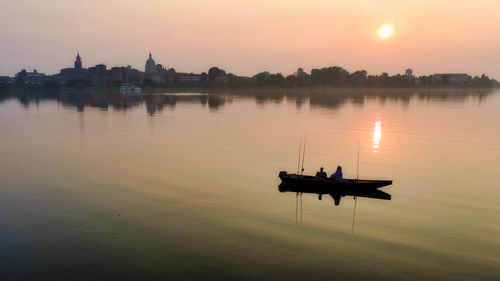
[184,186]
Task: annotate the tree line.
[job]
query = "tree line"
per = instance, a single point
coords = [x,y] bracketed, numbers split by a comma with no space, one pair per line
[338,77]
[334,76]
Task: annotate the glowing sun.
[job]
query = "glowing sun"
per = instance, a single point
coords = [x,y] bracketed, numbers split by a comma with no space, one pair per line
[385,31]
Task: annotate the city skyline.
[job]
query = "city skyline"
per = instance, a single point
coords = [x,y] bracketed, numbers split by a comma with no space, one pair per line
[156,74]
[141,67]
[245,38]
[149,68]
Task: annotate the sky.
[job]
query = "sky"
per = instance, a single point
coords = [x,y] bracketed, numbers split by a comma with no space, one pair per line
[246,37]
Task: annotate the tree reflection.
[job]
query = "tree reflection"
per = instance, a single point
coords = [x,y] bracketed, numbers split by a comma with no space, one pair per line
[318,98]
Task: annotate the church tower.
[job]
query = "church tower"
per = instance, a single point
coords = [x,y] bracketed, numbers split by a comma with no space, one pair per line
[150,65]
[78,62]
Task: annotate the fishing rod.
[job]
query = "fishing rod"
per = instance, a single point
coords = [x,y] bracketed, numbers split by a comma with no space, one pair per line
[300,150]
[303,155]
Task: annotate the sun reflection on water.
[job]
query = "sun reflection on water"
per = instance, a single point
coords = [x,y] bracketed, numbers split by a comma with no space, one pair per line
[377,135]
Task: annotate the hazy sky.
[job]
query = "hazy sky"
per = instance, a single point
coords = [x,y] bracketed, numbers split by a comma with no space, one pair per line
[246,37]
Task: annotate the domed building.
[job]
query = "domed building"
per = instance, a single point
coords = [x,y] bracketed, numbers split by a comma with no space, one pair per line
[150,65]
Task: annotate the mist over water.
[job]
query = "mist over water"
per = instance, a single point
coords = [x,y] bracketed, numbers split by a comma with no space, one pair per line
[185,186]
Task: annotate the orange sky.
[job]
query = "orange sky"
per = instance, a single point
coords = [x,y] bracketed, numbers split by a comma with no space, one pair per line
[246,37]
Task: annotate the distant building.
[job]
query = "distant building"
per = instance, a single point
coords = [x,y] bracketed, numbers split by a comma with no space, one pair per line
[78,62]
[239,79]
[410,77]
[450,78]
[153,71]
[119,74]
[97,69]
[116,75]
[98,74]
[221,79]
[134,76]
[188,78]
[31,77]
[150,67]
[67,74]
[159,68]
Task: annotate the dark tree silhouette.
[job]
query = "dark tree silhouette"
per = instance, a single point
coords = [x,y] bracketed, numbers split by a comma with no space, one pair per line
[215,72]
[358,78]
[333,76]
[203,77]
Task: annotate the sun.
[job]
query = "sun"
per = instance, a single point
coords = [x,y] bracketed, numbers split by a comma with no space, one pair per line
[385,31]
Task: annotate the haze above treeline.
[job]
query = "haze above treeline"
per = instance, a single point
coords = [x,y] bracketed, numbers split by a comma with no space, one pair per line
[248,36]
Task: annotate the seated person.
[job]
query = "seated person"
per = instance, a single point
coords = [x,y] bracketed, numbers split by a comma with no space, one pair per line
[337,176]
[321,174]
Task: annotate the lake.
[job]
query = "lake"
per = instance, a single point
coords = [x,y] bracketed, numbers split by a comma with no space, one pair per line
[184,186]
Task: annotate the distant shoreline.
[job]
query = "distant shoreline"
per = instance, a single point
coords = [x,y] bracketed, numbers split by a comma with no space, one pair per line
[156,78]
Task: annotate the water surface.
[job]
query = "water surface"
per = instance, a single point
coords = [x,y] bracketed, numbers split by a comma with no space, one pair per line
[97,186]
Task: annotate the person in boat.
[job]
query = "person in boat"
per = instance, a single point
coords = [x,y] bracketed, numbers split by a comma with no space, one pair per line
[321,174]
[337,176]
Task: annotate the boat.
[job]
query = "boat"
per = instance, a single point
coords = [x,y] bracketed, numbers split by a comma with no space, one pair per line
[347,187]
[129,88]
[326,185]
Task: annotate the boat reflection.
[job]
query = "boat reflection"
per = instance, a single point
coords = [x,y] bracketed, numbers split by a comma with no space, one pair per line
[336,194]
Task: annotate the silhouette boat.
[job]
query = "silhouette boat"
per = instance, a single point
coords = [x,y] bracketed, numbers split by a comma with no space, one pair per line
[326,185]
[335,193]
